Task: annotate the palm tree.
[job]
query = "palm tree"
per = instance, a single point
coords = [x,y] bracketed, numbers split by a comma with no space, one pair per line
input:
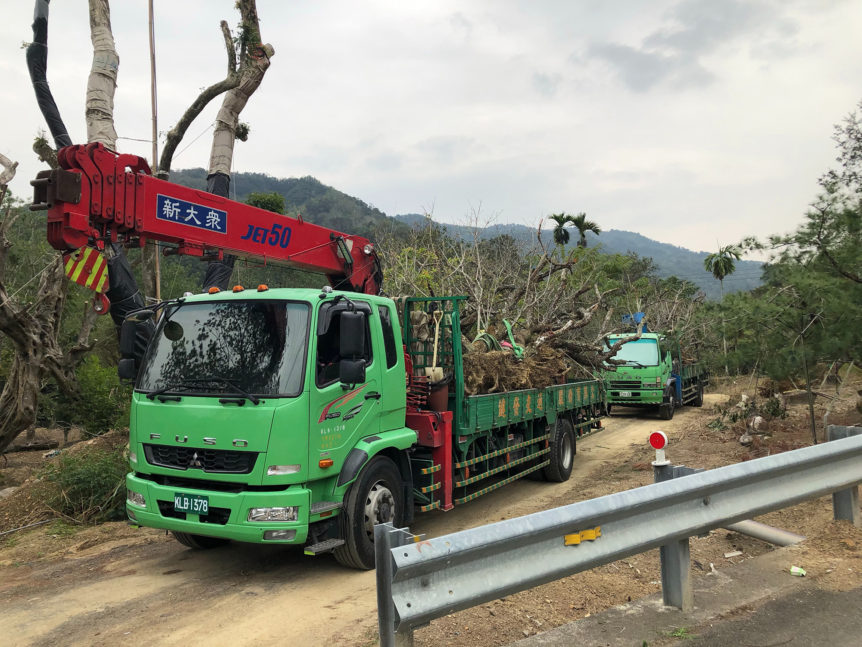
[721,264]
[580,221]
[561,234]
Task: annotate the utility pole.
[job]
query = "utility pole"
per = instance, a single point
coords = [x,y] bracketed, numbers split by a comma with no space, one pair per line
[157,267]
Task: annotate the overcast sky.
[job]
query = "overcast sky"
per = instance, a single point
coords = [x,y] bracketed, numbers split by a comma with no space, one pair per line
[693,122]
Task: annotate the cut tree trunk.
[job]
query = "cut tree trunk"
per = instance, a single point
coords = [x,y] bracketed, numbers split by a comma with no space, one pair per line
[102,82]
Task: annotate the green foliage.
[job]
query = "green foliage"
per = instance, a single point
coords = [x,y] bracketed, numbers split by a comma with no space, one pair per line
[271,201]
[583,226]
[561,234]
[101,405]
[717,424]
[61,529]
[88,486]
[580,222]
[772,408]
[722,263]
[317,202]
[810,307]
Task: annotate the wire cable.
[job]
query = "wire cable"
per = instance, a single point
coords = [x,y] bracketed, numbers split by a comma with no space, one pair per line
[30,280]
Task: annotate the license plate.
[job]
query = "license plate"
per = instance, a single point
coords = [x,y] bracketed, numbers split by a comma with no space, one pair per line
[625,394]
[191,503]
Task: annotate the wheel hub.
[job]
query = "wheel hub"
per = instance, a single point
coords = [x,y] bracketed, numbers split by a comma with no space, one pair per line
[379,507]
[566,453]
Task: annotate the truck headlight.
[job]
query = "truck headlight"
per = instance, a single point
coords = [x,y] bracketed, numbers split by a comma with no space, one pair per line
[273,514]
[136,498]
[133,457]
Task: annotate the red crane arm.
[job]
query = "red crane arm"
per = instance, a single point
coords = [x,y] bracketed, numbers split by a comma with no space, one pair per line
[98,196]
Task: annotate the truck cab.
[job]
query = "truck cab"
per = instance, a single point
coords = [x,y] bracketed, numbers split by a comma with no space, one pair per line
[646,378]
[653,374]
[255,411]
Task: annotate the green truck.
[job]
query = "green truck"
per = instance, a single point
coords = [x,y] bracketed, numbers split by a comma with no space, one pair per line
[290,416]
[653,374]
[296,416]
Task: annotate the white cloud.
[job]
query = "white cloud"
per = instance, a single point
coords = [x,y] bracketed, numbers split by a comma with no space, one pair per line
[690,122]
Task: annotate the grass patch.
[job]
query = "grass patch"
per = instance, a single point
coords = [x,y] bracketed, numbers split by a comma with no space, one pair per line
[682,632]
[88,486]
[60,529]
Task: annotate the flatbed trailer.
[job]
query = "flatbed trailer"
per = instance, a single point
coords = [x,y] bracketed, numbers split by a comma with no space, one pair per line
[495,438]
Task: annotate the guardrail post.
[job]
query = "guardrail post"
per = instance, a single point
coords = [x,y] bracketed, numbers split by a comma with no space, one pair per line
[387,537]
[845,503]
[676,587]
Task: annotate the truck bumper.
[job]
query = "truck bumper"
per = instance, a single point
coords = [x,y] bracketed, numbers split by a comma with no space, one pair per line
[228,512]
[636,397]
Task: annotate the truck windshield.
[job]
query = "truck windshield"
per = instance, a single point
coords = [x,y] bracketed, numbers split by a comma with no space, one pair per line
[643,352]
[235,347]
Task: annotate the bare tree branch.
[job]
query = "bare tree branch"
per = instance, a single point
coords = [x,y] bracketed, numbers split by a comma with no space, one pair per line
[176,134]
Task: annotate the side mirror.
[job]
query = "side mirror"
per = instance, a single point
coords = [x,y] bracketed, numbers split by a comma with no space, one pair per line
[351,344]
[351,371]
[127,369]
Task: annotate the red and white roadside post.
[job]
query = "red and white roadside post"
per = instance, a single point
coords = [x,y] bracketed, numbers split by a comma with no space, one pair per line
[675,557]
[658,441]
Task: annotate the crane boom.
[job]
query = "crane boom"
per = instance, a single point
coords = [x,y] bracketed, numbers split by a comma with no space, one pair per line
[98,196]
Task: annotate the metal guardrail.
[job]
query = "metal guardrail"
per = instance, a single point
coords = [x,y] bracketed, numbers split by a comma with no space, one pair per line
[418,581]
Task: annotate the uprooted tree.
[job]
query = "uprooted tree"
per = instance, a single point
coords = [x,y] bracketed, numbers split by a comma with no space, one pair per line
[561,307]
[32,327]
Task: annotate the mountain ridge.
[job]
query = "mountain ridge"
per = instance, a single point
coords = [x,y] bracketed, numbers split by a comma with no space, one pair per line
[326,206]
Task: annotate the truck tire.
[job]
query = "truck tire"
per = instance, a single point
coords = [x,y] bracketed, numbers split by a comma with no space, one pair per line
[562,454]
[376,496]
[665,410]
[198,542]
[698,398]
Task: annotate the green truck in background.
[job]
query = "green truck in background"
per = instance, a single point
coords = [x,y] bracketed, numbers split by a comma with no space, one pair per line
[654,373]
[296,416]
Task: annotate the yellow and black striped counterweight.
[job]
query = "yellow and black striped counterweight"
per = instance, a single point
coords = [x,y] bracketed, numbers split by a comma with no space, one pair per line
[87,267]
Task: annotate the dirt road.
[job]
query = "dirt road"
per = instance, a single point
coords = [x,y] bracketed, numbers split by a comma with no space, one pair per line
[117,585]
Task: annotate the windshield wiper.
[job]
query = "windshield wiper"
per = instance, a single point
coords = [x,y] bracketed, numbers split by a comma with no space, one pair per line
[196,384]
[635,363]
[233,384]
[182,384]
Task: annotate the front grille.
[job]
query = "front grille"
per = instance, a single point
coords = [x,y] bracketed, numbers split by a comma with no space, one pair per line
[219,461]
[217,516]
[625,384]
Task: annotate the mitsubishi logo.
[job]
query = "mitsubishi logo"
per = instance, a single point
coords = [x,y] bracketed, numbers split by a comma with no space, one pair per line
[195,461]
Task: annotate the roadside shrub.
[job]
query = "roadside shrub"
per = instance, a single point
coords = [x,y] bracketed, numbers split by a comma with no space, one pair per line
[773,408]
[88,486]
[102,405]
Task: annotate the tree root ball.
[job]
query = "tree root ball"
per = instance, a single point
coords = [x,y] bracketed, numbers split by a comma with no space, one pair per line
[498,371]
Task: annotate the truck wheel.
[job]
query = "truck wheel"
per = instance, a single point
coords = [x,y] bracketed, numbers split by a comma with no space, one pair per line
[665,410]
[562,454]
[198,542]
[375,497]
[698,398]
